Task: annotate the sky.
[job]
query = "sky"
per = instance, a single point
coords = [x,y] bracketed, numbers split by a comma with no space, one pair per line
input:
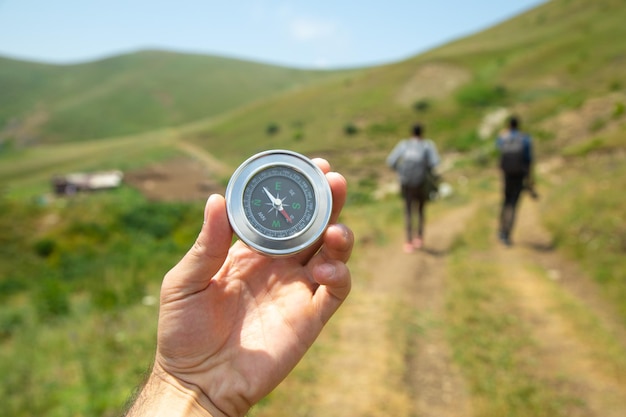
[301,34]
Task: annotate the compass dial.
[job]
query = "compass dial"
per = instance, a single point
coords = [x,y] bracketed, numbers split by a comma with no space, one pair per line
[278,202]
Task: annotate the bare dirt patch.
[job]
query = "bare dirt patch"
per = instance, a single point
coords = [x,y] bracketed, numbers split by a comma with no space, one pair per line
[595,116]
[179,179]
[432,81]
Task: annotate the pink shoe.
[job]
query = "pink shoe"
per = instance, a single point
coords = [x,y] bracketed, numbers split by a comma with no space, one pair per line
[418,243]
[408,248]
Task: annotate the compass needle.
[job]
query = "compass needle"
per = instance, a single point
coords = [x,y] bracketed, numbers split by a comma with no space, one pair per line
[286,216]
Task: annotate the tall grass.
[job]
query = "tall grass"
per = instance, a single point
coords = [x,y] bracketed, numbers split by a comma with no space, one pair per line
[586,214]
[79,298]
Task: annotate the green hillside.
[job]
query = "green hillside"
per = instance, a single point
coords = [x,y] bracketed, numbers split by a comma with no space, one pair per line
[550,60]
[130,93]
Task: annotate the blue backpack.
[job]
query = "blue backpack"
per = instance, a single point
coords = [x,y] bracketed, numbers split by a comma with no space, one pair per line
[513,151]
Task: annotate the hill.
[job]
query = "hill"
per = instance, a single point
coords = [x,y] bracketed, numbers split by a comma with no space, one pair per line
[565,57]
[130,93]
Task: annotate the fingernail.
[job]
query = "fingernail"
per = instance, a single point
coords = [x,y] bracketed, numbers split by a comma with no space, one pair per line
[345,232]
[206,210]
[327,270]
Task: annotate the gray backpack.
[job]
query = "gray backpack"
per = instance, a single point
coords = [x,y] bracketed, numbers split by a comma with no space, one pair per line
[414,162]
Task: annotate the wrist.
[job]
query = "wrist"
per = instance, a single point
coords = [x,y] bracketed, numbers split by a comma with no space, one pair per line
[167,396]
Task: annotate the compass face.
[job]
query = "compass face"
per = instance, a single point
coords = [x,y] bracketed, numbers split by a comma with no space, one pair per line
[278,202]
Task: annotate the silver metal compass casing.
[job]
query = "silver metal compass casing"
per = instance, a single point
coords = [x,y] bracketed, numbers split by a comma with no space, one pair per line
[263,242]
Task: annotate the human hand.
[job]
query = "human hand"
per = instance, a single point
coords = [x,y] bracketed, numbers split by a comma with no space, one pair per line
[233,323]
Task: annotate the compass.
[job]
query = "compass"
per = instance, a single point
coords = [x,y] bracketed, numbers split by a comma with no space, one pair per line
[278,202]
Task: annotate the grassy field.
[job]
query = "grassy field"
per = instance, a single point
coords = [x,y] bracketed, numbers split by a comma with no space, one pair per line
[80,280]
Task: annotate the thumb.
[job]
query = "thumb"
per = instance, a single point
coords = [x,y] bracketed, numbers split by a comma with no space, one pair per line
[195,270]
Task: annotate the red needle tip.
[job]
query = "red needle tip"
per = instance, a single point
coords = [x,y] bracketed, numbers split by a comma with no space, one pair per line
[284,213]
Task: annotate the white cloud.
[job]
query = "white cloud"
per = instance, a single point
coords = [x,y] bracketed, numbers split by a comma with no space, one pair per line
[321,63]
[307,29]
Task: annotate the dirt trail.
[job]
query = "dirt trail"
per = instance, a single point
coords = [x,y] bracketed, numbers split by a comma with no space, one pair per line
[544,281]
[431,384]
[373,380]
[214,165]
[536,245]
[186,178]
[436,385]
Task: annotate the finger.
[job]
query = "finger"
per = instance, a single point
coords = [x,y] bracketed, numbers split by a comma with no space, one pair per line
[339,188]
[334,280]
[334,286]
[337,248]
[338,243]
[328,269]
[207,255]
[322,164]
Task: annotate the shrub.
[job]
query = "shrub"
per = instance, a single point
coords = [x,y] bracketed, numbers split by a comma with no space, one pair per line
[52,298]
[157,220]
[272,128]
[298,136]
[105,299]
[421,106]
[350,129]
[10,321]
[618,110]
[597,124]
[480,95]
[615,85]
[7,145]
[466,142]
[92,230]
[44,247]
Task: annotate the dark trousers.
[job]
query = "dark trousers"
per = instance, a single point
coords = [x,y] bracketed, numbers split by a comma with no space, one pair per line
[415,199]
[513,186]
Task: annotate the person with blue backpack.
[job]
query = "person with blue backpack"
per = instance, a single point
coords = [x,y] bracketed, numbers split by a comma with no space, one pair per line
[516,157]
[413,159]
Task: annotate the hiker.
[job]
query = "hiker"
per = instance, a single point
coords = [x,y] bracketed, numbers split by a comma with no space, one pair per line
[412,158]
[233,323]
[516,157]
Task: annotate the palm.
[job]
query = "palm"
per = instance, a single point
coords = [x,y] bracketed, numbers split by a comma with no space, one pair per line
[256,318]
[233,323]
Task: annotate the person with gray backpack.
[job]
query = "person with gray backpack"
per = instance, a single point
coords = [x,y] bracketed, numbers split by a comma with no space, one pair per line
[413,159]
[516,158]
